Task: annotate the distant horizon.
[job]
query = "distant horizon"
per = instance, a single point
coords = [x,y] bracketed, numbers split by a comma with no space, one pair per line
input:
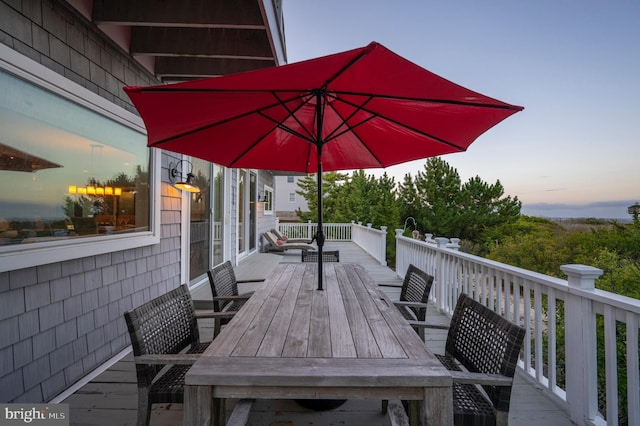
[613,210]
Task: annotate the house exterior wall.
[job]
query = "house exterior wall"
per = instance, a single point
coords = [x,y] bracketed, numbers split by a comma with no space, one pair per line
[60,321]
[285,208]
[265,222]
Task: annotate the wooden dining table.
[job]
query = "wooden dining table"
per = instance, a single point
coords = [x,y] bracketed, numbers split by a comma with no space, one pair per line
[292,341]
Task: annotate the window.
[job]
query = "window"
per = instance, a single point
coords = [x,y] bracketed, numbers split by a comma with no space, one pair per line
[200,220]
[292,197]
[247,211]
[289,179]
[75,168]
[268,204]
[67,172]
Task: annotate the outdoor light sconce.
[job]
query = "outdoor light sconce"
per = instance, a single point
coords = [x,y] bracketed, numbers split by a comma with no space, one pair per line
[262,197]
[177,173]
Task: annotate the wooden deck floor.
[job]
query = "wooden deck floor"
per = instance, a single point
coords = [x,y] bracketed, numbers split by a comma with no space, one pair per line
[111,397]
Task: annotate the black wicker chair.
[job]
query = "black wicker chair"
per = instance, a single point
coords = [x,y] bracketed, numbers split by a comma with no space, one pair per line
[164,331]
[327,256]
[482,350]
[414,296]
[224,289]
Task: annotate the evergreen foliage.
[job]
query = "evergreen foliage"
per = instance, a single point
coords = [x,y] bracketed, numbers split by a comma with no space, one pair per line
[442,205]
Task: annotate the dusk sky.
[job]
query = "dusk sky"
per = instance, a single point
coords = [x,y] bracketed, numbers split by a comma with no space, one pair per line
[574,65]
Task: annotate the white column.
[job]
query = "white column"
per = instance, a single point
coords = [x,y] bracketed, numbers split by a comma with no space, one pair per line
[439,275]
[581,355]
[383,246]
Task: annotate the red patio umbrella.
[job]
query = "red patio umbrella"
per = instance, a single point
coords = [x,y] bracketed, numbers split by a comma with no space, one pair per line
[363,108]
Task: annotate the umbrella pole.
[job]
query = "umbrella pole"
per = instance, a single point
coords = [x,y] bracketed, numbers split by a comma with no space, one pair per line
[319,94]
[320,231]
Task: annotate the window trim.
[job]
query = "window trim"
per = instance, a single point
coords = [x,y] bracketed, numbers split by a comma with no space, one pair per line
[268,194]
[35,254]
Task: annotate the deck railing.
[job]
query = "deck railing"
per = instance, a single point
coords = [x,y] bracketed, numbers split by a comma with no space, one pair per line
[562,360]
[332,231]
[369,239]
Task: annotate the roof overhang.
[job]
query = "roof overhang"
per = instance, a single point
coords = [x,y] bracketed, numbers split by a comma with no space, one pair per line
[191,39]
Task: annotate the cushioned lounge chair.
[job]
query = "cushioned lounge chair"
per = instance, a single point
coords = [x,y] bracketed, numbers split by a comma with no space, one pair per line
[286,238]
[280,246]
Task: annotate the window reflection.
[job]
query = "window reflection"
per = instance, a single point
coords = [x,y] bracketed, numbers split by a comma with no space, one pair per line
[200,223]
[66,171]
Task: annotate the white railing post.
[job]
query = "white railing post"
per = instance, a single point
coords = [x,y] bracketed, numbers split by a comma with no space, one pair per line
[401,262]
[383,246]
[309,231]
[277,224]
[581,345]
[439,276]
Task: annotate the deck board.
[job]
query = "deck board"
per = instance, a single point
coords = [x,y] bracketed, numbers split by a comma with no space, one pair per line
[110,398]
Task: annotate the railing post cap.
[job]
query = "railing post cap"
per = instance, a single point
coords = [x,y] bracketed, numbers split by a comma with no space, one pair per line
[399,232]
[581,276]
[442,241]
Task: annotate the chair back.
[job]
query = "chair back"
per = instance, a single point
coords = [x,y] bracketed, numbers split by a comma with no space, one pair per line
[278,234]
[164,325]
[223,283]
[485,342]
[327,256]
[416,288]
[273,240]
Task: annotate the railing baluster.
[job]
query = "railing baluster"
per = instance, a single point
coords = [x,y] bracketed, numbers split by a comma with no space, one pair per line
[551,340]
[526,310]
[538,328]
[611,365]
[633,367]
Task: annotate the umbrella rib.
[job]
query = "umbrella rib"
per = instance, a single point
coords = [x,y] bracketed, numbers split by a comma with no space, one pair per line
[348,65]
[218,123]
[306,90]
[432,100]
[352,128]
[292,114]
[277,124]
[249,148]
[384,117]
[287,129]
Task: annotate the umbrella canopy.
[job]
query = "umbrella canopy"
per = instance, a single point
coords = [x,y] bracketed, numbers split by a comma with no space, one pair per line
[363,108]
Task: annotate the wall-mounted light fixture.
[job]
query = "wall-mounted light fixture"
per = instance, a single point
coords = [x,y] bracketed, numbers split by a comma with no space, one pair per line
[176,173]
[262,197]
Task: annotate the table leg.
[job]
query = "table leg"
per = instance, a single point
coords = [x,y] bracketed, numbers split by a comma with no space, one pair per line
[437,407]
[199,407]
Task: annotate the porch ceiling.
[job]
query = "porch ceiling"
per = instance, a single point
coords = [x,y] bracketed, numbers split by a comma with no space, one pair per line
[189,39]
